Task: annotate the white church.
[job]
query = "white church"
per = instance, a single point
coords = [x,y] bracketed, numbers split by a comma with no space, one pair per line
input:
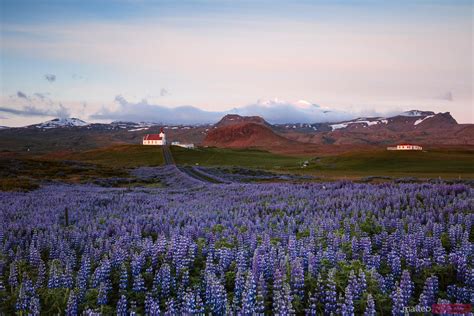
[155,139]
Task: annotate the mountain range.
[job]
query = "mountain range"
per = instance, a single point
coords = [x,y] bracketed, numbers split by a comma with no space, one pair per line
[234,131]
[412,126]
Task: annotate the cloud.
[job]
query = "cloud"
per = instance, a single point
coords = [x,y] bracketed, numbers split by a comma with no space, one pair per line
[50,77]
[274,111]
[142,111]
[41,96]
[31,110]
[448,96]
[62,112]
[22,95]
[301,111]
[164,92]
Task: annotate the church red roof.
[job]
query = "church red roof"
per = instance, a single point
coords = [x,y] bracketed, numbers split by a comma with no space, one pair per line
[152,137]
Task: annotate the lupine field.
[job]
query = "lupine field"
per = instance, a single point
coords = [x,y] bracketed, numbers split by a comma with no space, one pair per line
[235,249]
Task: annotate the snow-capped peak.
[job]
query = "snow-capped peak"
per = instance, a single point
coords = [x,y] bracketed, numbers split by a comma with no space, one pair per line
[302,104]
[416,113]
[62,122]
[270,102]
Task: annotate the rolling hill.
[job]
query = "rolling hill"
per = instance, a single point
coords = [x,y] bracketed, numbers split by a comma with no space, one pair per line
[243,135]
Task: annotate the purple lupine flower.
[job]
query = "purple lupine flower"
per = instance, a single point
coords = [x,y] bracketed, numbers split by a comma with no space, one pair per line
[430,291]
[297,278]
[348,305]
[407,287]
[330,303]
[238,290]
[138,283]
[71,308]
[102,296]
[312,305]
[370,308]
[122,306]
[397,301]
[249,295]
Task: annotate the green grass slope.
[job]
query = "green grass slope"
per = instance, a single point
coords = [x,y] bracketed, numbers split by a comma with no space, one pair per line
[122,156]
[430,164]
[444,163]
[249,158]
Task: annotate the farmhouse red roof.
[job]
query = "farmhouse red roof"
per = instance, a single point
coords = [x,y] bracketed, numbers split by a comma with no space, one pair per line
[152,137]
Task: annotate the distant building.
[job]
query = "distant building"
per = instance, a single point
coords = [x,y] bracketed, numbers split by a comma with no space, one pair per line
[189,146]
[405,147]
[155,139]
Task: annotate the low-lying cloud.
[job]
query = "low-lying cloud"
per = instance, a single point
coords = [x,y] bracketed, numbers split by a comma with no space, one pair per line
[447,96]
[21,95]
[36,104]
[50,77]
[274,111]
[142,111]
[164,92]
[281,111]
[31,110]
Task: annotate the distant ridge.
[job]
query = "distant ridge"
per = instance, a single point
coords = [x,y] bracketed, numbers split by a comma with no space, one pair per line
[424,128]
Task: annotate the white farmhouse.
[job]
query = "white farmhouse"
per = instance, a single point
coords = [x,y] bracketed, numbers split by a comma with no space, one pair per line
[155,139]
[405,147]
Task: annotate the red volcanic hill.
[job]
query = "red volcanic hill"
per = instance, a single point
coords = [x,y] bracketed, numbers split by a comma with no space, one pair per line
[233,119]
[245,134]
[235,131]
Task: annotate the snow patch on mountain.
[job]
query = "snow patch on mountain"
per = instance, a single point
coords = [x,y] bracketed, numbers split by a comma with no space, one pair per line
[421,120]
[138,129]
[361,120]
[62,122]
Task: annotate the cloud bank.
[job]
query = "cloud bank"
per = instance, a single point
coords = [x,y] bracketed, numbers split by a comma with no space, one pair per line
[301,111]
[31,110]
[142,111]
[37,104]
[274,111]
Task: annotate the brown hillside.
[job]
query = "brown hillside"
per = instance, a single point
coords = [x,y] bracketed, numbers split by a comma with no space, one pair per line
[241,135]
[235,119]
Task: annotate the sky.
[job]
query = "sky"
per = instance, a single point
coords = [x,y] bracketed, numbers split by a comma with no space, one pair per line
[193,61]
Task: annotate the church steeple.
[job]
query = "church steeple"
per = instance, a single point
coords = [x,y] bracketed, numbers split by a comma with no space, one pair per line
[163,136]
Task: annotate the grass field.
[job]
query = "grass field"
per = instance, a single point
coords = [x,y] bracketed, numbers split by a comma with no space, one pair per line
[27,173]
[424,164]
[22,172]
[113,161]
[248,158]
[122,156]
